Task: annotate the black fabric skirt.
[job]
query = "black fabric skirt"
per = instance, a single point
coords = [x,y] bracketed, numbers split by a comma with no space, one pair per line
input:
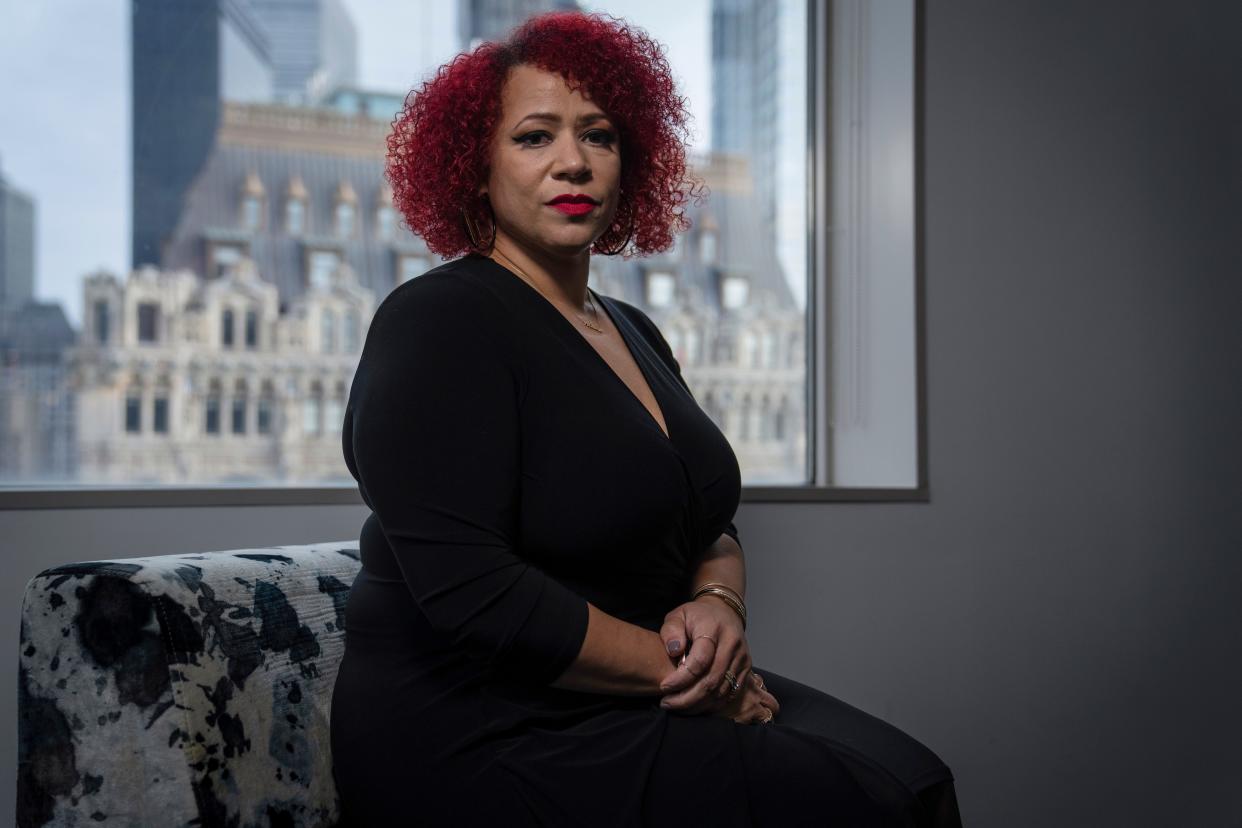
[820,762]
[910,783]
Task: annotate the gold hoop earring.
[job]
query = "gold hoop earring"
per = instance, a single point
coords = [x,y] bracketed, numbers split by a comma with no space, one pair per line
[472,229]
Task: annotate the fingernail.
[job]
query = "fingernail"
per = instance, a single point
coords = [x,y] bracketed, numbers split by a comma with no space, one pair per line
[674,646]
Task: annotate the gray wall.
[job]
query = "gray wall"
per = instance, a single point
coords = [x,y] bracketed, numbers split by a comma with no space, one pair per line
[1059,622]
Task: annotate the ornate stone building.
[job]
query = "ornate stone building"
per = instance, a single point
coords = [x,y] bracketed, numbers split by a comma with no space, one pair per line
[180,379]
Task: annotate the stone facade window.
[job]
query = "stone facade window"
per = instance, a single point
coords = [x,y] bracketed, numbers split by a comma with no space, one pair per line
[345,210]
[239,409]
[103,316]
[707,244]
[133,411]
[321,268]
[253,197]
[159,414]
[312,410]
[334,410]
[226,328]
[211,411]
[148,322]
[386,223]
[297,205]
[267,402]
[252,329]
[224,259]
[385,215]
[734,292]
[661,288]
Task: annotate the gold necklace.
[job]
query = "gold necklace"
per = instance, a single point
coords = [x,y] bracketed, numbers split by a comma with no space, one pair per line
[527,279]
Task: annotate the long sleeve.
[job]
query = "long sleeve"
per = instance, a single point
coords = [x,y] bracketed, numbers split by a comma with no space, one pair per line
[435,442]
[666,353]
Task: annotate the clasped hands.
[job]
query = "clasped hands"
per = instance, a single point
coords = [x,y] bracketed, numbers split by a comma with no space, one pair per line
[704,639]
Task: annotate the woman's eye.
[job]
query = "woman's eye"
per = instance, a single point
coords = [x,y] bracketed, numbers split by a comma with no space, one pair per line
[524,138]
[601,137]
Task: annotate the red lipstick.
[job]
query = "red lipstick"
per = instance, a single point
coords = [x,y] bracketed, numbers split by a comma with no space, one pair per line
[573,204]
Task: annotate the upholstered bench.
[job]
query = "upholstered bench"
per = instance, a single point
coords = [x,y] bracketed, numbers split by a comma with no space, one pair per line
[182,690]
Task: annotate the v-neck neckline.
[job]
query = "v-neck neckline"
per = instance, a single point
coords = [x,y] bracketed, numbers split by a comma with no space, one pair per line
[625,340]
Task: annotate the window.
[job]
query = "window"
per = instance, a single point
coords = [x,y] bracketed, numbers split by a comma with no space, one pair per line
[159,412]
[707,247]
[211,412]
[252,196]
[794,287]
[251,212]
[385,223]
[225,258]
[239,409]
[661,289]
[345,220]
[321,268]
[767,349]
[334,411]
[345,210]
[148,319]
[734,291]
[226,328]
[252,329]
[263,415]
[296,206]
[102,318]
[295,217]
[312,411]
[133,411]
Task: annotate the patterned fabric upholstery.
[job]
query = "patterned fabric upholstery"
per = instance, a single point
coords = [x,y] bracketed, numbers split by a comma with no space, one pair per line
[182,690]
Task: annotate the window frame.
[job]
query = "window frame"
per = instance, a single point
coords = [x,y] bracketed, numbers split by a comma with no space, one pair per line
[96,496]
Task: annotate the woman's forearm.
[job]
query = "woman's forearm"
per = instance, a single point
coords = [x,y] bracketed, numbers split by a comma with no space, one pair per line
[721,563]
[627,660]
[617,657]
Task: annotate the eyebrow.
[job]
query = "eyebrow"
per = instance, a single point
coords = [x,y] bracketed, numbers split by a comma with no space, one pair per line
[552,116]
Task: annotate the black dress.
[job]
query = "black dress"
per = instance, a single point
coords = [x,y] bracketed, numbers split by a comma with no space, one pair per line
[513,477]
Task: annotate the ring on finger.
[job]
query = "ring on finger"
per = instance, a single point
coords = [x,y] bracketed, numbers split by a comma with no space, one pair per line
[758,680]
[734,684]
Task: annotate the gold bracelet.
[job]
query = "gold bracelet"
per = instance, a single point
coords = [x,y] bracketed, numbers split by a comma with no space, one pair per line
[736,595]
[728,596]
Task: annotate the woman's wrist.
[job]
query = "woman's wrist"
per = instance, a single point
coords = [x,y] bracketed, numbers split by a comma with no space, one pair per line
[726,595]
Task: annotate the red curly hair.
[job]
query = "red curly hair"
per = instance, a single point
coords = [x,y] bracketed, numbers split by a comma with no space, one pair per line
[439,147]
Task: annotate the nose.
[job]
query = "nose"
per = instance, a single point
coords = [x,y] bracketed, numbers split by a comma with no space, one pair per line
[571,160]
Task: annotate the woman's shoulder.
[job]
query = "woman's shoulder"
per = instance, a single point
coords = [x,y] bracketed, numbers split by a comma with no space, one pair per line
[451,293]
[448,306]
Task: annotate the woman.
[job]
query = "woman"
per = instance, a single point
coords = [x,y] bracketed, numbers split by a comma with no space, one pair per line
[524,642]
